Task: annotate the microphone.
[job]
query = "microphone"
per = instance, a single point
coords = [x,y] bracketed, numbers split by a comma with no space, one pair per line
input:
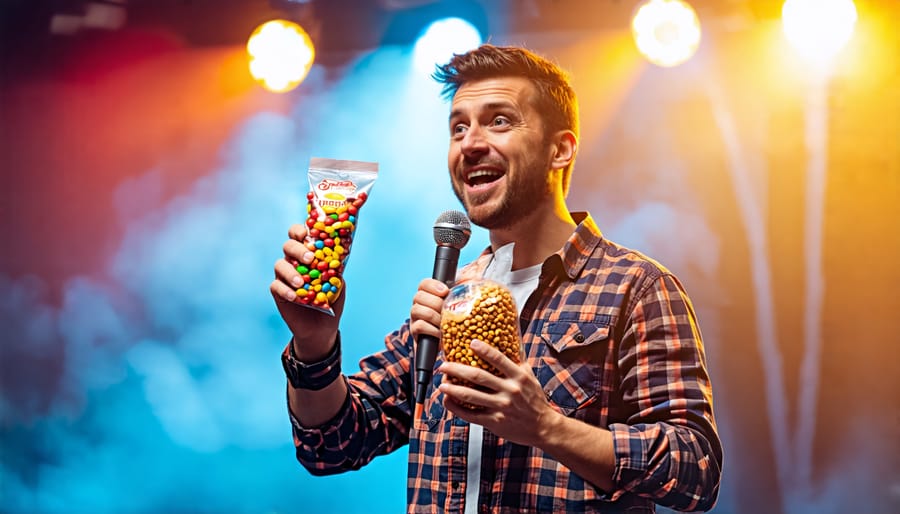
[451,233]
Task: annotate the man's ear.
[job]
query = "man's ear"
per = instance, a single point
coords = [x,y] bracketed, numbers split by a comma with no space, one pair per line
[565,146]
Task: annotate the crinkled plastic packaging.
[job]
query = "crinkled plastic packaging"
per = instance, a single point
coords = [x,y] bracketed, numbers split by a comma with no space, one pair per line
[337,192]
[484,310]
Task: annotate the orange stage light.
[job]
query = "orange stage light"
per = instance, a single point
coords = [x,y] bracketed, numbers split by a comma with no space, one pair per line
[667,32]
[281,54]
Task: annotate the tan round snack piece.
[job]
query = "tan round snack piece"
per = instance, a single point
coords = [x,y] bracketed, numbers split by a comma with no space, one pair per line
[482,310]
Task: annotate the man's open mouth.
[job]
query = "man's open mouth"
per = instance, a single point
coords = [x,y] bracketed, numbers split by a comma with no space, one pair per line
[482,176]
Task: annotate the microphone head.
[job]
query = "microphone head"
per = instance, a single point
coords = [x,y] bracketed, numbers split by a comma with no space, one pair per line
[452,229]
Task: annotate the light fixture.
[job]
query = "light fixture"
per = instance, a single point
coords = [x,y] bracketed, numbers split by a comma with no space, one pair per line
[818,29]
[281,54]
[440,40]
[666,32]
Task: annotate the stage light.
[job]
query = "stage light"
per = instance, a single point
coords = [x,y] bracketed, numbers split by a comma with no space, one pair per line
[667,32]
[281,54]
[440,40]
[818,29]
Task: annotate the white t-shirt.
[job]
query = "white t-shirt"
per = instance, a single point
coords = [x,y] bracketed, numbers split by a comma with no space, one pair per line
[521,283]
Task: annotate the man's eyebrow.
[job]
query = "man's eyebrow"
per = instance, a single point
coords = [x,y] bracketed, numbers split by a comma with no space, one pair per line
[492,106]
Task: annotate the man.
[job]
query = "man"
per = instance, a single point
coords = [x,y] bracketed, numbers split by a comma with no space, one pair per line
[611,410]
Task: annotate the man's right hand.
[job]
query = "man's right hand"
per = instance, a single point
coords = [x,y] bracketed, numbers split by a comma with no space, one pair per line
[425,315]
[314,331]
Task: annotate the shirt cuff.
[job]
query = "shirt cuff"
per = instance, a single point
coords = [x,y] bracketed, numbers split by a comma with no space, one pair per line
[313,375]
[628,451]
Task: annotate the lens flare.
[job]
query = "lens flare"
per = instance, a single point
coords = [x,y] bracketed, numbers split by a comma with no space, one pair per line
[281,54]
[818,29]
[667,32]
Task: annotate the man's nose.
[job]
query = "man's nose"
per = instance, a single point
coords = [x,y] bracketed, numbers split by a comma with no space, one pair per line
[474,141]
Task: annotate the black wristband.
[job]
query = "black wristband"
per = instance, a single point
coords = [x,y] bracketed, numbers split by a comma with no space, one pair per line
[316,375]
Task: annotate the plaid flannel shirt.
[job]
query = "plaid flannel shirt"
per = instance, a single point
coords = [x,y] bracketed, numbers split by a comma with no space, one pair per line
[613,339]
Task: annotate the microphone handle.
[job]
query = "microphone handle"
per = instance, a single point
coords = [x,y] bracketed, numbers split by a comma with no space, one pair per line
[446,259]
[426,353]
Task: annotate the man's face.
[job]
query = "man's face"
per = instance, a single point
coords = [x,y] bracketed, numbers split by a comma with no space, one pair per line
[499,154]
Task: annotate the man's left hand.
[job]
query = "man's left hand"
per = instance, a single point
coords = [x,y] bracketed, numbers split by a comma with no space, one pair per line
[513,405]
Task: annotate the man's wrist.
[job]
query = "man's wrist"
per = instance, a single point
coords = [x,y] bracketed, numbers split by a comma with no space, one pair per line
[309,350]
[312,375]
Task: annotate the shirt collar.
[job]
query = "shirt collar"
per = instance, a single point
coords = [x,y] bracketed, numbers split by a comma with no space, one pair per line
[568,260]
[574,255]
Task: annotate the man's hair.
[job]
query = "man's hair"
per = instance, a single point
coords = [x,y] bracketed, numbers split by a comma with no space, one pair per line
[555,99]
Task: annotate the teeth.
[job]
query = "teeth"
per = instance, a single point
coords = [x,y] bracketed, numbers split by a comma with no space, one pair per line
[483,173]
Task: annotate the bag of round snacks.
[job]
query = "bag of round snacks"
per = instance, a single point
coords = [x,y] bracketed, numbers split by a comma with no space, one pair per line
[337,191]
[479,309]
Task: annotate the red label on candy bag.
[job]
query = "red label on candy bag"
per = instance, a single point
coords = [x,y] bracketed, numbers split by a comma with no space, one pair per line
[348,186]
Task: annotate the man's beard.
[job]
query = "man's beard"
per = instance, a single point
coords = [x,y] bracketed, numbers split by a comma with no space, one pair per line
[524,192]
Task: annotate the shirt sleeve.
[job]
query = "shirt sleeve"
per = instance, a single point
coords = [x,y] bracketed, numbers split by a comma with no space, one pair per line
[669,449]
[374,419]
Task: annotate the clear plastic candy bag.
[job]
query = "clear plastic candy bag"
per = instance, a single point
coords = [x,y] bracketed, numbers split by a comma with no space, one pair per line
[337,191]
[484,310]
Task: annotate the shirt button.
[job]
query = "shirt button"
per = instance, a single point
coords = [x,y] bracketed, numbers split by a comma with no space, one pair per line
[455,484]
[579,337]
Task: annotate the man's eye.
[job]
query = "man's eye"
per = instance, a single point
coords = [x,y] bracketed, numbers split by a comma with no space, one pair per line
[459,128]
[500,121]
